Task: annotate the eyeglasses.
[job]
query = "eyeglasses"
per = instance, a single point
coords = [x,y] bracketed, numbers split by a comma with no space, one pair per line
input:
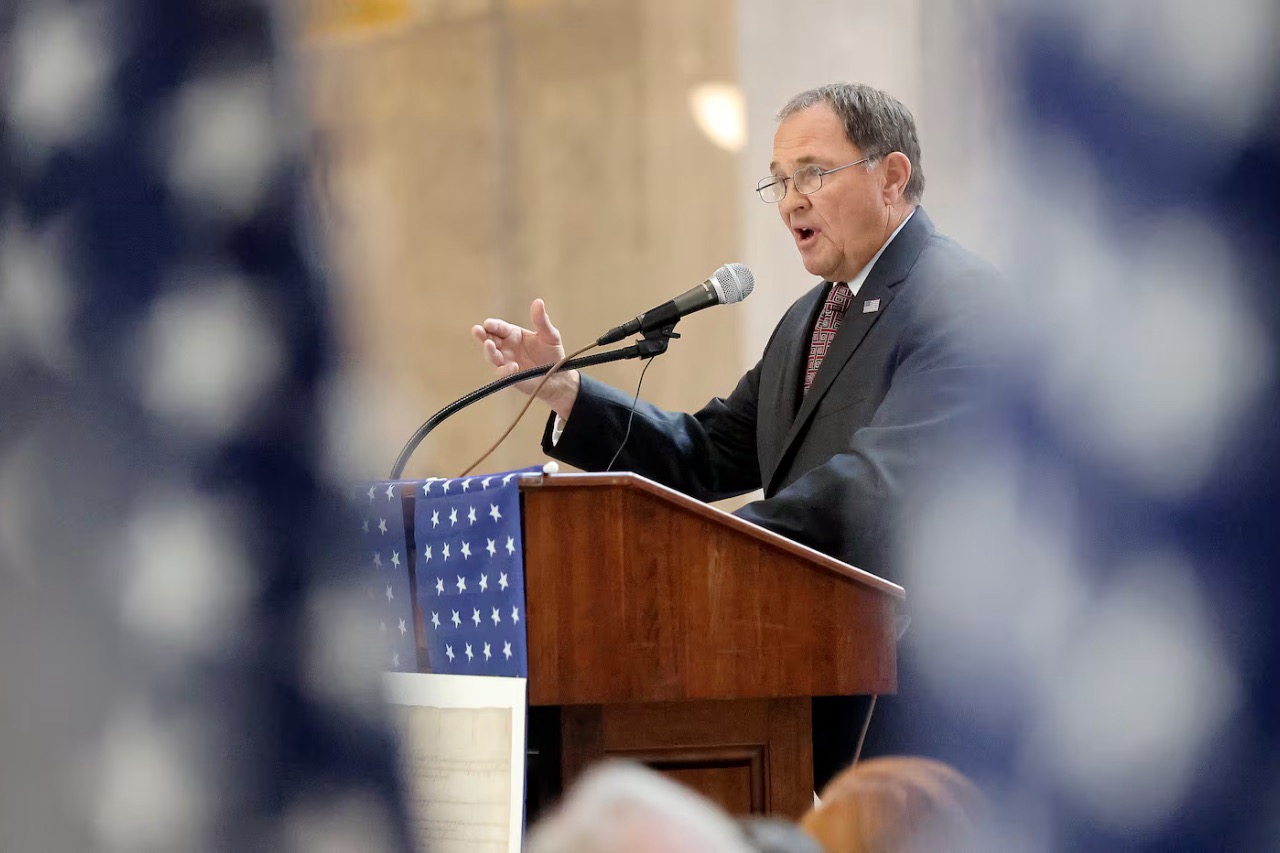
[808,179]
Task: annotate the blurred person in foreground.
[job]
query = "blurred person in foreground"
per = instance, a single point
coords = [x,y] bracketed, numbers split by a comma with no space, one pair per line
[861,388]
[775,835]
[899,804]
[625,808]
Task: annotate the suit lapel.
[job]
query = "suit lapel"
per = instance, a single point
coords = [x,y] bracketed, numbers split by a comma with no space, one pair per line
[890,270]
[798,354]
[784,374]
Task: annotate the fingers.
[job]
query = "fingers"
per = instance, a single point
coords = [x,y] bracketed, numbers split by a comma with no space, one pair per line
[498,332]
[489,344]
[493,354]
[542,322]
[495,327]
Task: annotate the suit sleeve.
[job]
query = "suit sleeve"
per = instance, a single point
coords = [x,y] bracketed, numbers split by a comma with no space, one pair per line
[709,455]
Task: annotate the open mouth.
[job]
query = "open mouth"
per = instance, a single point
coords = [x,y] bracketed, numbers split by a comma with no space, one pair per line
[804,235]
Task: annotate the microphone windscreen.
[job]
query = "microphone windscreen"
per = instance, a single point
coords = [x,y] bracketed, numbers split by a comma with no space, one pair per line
[733,283]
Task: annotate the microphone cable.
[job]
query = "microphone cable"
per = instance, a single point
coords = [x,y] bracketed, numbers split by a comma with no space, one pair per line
[630,416]
[555,368]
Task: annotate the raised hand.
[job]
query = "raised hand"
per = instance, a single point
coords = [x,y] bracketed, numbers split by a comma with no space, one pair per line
[511,348]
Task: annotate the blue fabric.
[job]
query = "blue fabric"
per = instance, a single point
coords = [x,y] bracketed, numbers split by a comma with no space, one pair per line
[164,340]
[1155,163]
[470,567]
[384,564]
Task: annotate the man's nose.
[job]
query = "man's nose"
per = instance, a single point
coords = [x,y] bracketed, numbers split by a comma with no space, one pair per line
[794,200]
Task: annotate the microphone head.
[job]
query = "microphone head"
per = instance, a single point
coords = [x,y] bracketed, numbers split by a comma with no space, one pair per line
[732,283]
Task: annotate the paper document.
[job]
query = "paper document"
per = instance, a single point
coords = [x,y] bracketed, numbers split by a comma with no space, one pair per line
[462,756]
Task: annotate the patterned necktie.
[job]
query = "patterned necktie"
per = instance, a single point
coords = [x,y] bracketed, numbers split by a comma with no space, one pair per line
[839,298]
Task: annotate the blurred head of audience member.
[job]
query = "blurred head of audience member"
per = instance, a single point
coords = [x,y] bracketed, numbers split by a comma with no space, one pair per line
[897,804]
[770,835]
[625,808]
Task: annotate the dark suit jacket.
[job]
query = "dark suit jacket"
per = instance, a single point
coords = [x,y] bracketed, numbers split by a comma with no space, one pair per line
[839,465]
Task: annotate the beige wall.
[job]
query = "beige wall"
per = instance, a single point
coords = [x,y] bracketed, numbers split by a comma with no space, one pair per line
[485,153]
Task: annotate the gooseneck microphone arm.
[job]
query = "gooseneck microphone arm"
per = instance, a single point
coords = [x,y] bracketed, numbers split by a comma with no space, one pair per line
[654,343]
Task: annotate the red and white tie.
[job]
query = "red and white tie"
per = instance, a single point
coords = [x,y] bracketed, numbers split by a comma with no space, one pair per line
[839,298]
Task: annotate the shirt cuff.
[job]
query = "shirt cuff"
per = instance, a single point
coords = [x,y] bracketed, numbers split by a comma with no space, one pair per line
[557,429]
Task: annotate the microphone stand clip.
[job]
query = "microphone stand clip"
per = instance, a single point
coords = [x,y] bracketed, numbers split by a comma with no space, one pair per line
[654,342]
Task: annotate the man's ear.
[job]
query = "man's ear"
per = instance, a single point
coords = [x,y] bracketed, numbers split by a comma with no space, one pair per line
[897,171]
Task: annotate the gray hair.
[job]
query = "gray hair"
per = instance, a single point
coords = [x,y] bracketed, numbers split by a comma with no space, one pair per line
[875,121]
[625,808]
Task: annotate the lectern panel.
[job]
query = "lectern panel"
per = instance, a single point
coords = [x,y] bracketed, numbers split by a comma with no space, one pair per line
[636,595]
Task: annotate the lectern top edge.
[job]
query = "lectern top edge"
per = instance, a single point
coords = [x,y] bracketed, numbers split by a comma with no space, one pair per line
[643,484]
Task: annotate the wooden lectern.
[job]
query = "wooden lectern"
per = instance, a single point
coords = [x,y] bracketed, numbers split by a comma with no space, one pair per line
[672,633]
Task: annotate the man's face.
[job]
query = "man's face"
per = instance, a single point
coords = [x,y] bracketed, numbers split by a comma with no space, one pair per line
[841,226]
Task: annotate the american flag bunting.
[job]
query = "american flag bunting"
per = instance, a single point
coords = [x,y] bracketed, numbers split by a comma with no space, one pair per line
[470,567]
[385,560]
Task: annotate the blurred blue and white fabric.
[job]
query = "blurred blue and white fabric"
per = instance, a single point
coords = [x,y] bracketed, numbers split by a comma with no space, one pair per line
[1094,594]
[181,645]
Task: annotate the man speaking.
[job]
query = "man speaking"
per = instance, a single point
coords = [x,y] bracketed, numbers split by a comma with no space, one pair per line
[865,380]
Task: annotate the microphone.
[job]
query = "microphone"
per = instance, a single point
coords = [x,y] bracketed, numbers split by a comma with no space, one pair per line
[731,283]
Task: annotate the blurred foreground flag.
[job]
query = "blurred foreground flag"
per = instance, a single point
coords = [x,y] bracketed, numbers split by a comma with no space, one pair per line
[177,615]
[384,556]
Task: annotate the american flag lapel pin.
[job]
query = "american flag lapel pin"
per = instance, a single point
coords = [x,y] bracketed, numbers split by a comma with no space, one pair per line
[871,306]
